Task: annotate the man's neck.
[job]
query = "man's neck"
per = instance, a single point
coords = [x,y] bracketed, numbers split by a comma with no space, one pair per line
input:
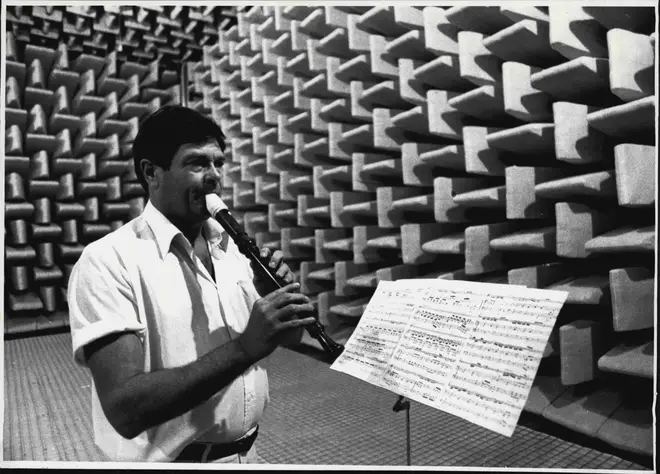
[191,233]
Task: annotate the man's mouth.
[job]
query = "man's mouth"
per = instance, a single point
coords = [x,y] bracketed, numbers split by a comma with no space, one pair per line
[202,194]
[200,197]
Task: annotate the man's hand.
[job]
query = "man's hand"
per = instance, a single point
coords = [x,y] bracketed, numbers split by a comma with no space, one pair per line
[277,264]
[274,319]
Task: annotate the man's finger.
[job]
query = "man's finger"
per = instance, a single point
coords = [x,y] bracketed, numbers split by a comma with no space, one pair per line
[290,288]
[292,299]
[284,272]
[276,259]
[294,308]
[296,323]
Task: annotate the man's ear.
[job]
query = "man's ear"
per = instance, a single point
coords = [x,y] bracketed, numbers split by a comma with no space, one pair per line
[148,171]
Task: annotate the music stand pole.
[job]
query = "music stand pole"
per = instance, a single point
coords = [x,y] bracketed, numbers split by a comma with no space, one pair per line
[403,404]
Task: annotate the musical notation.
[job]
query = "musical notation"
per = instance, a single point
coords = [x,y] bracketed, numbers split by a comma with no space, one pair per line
[470,349]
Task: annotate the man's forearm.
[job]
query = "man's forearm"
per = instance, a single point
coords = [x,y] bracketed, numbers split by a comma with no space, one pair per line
[152,398]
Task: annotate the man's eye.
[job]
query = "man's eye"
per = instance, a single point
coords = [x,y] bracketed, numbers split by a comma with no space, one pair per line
[201,164]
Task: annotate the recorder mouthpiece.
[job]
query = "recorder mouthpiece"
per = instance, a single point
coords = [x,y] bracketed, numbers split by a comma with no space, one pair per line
[214,204]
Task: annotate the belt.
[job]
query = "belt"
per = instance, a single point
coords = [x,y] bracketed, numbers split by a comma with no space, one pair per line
[194,452]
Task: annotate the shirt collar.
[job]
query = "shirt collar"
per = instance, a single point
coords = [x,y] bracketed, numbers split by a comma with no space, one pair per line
[165,232]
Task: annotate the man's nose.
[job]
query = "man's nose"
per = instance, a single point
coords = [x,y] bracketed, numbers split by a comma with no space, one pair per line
[213,178]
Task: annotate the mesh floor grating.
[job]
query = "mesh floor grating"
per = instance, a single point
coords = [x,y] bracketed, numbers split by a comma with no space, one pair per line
[316,416]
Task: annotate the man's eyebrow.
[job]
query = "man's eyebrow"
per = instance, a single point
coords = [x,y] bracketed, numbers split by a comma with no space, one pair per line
[195,154]
[192,156]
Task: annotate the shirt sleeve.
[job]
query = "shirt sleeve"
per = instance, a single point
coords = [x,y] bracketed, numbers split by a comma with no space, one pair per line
[101,300]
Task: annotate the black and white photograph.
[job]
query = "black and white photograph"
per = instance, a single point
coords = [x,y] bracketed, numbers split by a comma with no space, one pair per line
[293,236]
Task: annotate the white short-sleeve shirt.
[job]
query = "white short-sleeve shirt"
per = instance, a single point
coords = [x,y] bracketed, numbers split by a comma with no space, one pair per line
[144,277]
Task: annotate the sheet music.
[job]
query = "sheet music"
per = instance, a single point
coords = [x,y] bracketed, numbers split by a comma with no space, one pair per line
[470,349]
[370,346]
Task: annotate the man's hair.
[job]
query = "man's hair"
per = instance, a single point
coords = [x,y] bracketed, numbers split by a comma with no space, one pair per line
[164,131]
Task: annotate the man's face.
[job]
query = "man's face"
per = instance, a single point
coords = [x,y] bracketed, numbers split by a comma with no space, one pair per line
[195,172]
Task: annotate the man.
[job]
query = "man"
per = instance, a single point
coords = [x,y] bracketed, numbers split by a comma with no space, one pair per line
[169,316]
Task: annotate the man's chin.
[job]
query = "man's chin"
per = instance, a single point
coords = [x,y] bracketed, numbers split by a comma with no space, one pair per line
[202,210]
[197,210]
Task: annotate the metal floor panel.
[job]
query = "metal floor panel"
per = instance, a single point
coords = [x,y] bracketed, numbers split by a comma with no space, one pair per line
[316,416]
